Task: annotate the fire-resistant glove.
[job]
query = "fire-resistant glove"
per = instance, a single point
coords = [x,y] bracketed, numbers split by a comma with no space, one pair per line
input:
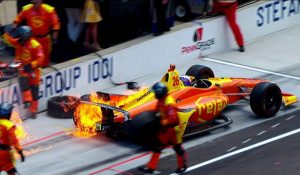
[28,68]
[22,156]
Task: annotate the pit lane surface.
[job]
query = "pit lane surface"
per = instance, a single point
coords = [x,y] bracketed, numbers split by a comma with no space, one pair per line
[55,151]
[270,147]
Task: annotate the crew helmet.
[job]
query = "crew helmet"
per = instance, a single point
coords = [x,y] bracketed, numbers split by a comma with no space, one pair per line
[5,110]
[186,80]
[23,33]
[160,90]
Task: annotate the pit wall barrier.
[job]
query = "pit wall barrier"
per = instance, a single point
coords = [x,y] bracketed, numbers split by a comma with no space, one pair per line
[8,11]
[136,59]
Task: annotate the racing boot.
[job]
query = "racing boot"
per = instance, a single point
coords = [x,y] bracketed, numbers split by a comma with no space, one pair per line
[180,170]
[146,169]
[242,49]
[181,163]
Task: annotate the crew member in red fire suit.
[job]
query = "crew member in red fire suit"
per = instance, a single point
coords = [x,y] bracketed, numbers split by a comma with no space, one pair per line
[229,7]
[167,134]
[8,140]
[29,53]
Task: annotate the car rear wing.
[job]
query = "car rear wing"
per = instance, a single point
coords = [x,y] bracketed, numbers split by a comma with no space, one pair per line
[109,109]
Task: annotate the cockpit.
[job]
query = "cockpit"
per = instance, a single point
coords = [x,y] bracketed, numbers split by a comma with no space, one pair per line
[200,83]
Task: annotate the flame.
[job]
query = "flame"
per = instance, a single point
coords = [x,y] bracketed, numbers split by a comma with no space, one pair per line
[86,116]
[71,105]
[20,130]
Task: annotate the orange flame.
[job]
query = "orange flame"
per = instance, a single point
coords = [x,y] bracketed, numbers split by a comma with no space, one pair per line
[71,105]
[86,116]
[20,130]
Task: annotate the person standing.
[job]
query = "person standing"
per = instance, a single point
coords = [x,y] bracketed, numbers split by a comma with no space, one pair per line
[91,15]
[44,22]
[73,10]
[30,54]
[229,7]
[161,20]
[8,140]
[167,134]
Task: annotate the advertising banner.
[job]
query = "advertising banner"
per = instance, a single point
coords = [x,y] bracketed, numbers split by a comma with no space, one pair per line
[269,17]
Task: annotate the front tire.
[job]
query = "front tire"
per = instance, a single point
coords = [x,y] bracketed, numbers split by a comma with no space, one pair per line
[265,99]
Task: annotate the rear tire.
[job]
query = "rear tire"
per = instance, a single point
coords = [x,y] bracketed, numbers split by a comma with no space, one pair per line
[200,72]
[143,127]
[62,106]
[265,99]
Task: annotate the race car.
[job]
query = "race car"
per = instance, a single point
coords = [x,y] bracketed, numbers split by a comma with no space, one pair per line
[199,103]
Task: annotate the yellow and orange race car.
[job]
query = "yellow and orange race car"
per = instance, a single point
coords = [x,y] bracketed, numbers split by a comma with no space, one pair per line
[199,103]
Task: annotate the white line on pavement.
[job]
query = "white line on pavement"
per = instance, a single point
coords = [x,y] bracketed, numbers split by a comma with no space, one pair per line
[252,68]
[231,149]
[275,125]
[261,133]
[290,117]
[242,150]
[246,141]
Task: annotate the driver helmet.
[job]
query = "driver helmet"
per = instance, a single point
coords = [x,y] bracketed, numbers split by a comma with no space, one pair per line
[23,33]
[5,110]
[160,90]
[186,80]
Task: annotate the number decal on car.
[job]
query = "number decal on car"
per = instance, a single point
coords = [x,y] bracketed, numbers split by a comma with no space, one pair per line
[175,81]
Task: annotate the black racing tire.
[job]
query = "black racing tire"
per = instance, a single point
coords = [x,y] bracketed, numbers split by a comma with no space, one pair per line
[265,99]
[182,10]
[200,72]
[143,127]
[62,106]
